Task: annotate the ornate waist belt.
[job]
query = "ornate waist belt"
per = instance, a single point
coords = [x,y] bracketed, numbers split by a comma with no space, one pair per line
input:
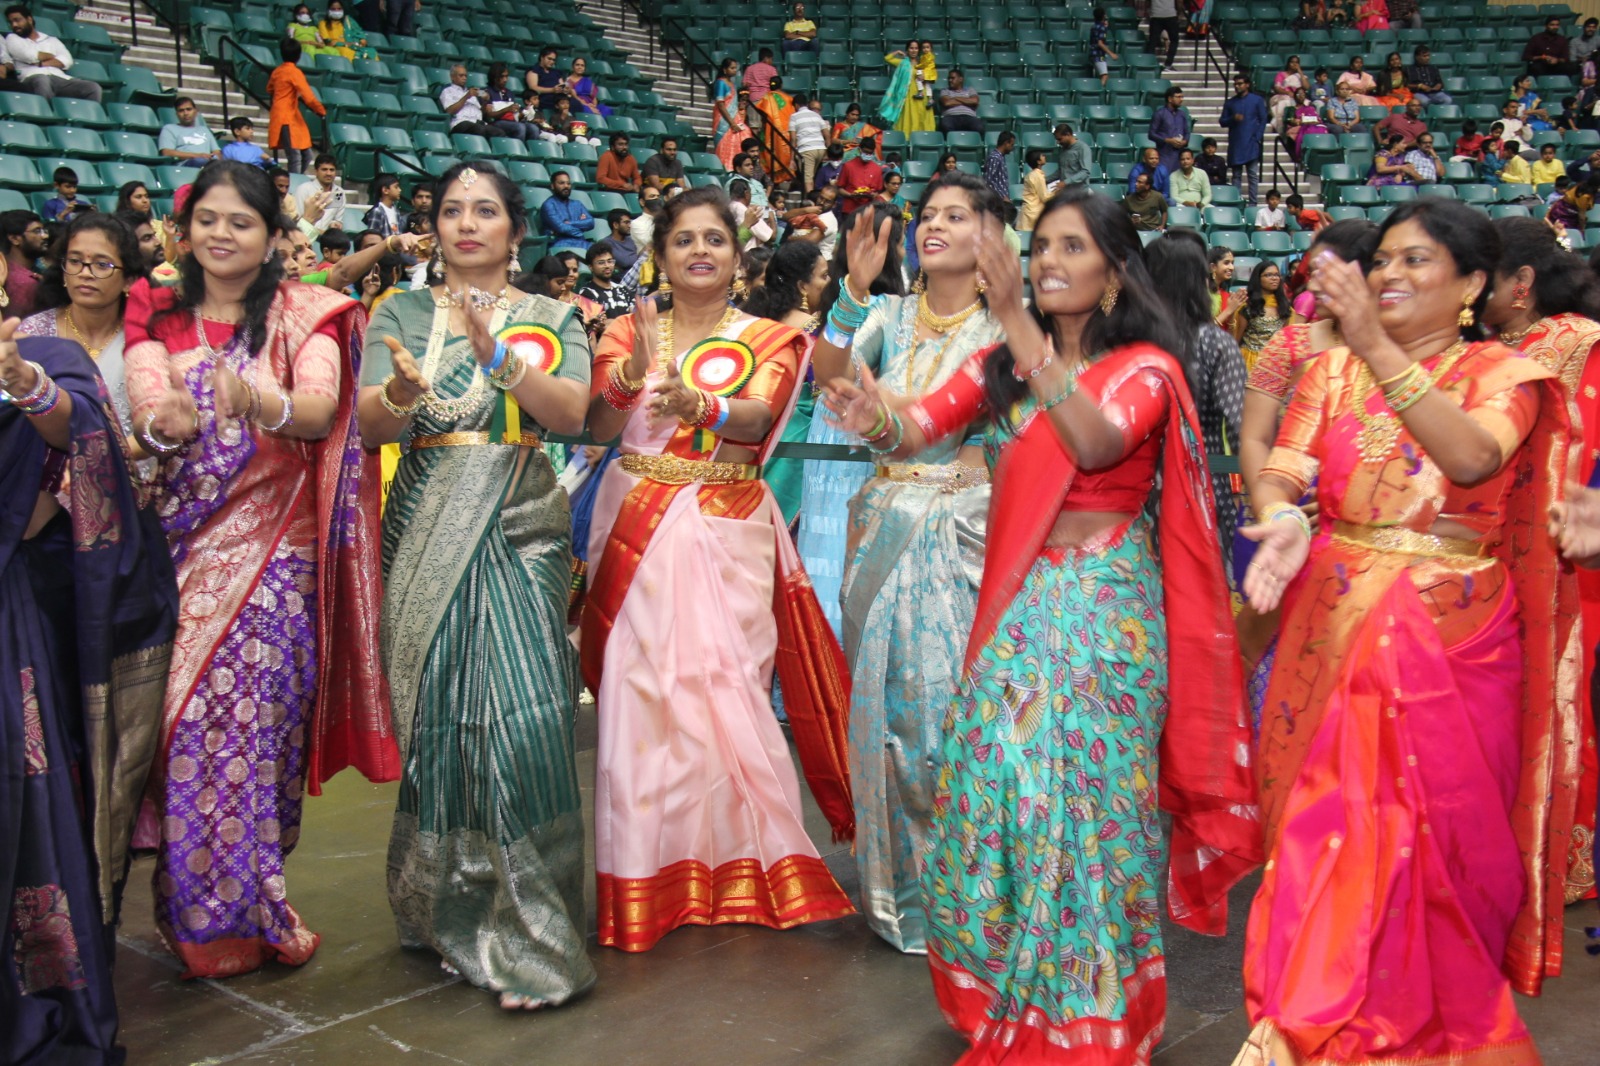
[675,470]
[946,477]
[1407,541]
[467,439]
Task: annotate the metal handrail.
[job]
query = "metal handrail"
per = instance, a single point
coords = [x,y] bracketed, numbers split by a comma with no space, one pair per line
[171,15]
[228,69]
[379,151]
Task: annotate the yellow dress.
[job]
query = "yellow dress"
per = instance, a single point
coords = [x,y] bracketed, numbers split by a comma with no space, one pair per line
[918,116]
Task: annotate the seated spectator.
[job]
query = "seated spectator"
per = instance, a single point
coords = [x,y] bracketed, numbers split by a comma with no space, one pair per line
[618,170]
[1302,121]
[9,82]
[1074,160]
[330,194]
[809,131]
[746,168]
[799,33]
[1321,90]
[464,105]
[1510,124]
[1558,189]
[995,173]
[1372,15]
[1213,162]
[860,179]
[1035,190]
[958,106]
[65,206]
[25,241]
[1311,17]
[243,149]
[1269,216]
[582,92]
[188,141]
[500,108]
[1515,169]
[288,89]
[331,29]
[575,128]
[145,233]
[42,61]
[1405,14]
[1344,114]
[546,80]
[1150,166]
[421,201]
[1389,166]
[1363,85]
[893,181]
[1424,80]
[334,246]
[589,311]
[664,169]
[1530,105]
[1569,118]
[848,133]
[1392,90]
[756,226]
[828,172]
[1284,83]
[385,217]
[1408,124]
[1549,52]
[1572,208]
[1586,168]
[1307,218]
[287,202]
[1580,48]
[1469,146]
[1147,207]
[614,299]
[619,243]
[302,29]
[537,123]
[818,220]
[1338,13]
[1189,185]
[563,218]
[1547,168]
[1424,160]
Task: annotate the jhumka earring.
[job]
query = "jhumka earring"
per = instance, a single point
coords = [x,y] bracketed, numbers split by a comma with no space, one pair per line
[1108,300]
[805,303]
[983,283]
[920,284]
[512,268]
[1519,298]
[738,290]
[1466,318]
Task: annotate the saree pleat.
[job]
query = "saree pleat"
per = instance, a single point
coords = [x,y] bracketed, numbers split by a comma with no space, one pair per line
[485,861]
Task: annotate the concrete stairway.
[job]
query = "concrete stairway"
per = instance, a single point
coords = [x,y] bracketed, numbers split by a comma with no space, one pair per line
[642,41]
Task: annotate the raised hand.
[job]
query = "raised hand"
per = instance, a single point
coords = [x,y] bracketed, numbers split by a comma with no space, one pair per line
[867,250]
[1000,268]
[672,399]
[1283,552]
[408,379]
[646,336]
[478,334]
[1341,291]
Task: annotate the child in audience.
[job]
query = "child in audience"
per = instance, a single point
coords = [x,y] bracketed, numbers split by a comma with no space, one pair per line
[1469,146]
[1307,218]
[243,149]
[65,205]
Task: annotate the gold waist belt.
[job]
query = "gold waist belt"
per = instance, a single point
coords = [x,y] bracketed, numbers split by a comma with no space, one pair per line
[1406,541]
[674,470]
[946,477]
[468,439]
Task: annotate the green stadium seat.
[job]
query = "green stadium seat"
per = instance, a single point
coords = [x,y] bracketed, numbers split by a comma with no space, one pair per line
[1436,191]
[1270,243]
[84,113]
[1179,215]
[119,174]
[1224,217]
[90,180]
[133,147]
[1509,211]
[24,138]
[1226,196]
[26,107]
[1365,195]
[84,144]
[1342,212]
[1235,241]
[12,200]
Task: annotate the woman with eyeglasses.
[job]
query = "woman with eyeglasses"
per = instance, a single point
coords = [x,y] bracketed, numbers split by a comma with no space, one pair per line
[94,263]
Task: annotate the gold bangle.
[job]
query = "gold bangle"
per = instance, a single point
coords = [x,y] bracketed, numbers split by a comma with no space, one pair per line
[394,408]
[624,381]
[388,245]
[1386,382]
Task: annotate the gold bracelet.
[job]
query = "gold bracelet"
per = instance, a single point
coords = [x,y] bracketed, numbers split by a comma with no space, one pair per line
[1386,382]
[626,383]
[388,244]
[394,408]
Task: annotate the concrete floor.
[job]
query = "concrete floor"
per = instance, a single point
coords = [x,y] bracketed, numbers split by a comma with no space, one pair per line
[828,993]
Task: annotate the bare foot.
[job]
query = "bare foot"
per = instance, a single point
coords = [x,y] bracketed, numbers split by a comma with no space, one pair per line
[444,964]
[515,1001]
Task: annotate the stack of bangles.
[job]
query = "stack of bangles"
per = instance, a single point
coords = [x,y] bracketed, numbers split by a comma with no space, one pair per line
[1406,388]
[507,369]
[620,392]
[1275,511]
[42,399]
[847,316]
[395,409]
[887,434]
[711,414]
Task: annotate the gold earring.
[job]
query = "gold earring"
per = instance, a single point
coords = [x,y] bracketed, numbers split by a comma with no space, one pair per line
[1108,299]
[738,290]
[511,268]
[805,303]
[665,288]
[920,284]
[1519,298]
[436,266]
[983,283]
[1466,318]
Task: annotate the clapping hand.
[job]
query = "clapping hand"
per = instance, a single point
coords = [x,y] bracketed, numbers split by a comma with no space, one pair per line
[232,396]
[175,417]
[16,376]
[854,408]
[408,379]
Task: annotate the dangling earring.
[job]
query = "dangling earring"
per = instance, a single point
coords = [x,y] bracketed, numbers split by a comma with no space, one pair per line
[1108,299]
[983,283]
[512,268]
[664,288]
[805,303]
[436,262]
[1466,318]
[920,284]
[1519,298]
[738,290]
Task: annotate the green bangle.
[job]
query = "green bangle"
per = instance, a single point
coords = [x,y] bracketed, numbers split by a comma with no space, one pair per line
[1056,400]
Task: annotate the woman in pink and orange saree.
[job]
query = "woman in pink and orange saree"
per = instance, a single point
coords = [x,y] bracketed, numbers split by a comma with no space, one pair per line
[242,386]
[1419,752]
[696,594]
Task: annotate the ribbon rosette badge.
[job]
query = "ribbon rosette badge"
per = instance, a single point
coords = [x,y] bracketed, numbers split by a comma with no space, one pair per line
[719,366]
[536,346]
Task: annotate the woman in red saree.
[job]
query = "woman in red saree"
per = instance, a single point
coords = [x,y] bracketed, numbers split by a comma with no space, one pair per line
[1101,670]
[695,593]
[1546,301]
[242,387]
[1419,755]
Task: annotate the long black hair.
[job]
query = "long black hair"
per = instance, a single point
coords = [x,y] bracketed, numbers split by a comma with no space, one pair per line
[510,194]
[1255,297]
[1216,255]
[1466,233]
[125,197]
[53,282]
[259,194]
[1139,314]
[1562,281]
[891,280]
[1177,266]
[788,271]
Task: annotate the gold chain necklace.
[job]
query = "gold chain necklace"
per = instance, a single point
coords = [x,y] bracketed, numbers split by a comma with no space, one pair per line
[945,323]
[1513,339]
[666,350]
[1380,429]
[94,352]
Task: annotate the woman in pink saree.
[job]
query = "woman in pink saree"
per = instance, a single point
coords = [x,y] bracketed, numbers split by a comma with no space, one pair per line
[1419,756]
[242,386]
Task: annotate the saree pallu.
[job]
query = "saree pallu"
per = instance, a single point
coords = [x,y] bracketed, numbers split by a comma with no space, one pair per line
[1419,754]
[276,681]
[1048,853]
[696,593]
[777,147]
[88,607]
[826,488]
[485,860]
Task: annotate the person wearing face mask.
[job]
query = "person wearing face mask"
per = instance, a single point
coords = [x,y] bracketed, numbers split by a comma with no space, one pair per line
[332,31]
[303,30]
[243,386]
[910,585]
[697,805]
[1416,724]
[1100,671]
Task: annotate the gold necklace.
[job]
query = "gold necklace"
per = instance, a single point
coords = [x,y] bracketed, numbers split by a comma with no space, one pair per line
[666,350]
[945,323]
[1380,429]
[94,352]
[1513,339]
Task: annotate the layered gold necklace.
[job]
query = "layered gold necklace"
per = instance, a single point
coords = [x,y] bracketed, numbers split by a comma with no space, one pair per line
[666,348]
[946,325]
[1381,428]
